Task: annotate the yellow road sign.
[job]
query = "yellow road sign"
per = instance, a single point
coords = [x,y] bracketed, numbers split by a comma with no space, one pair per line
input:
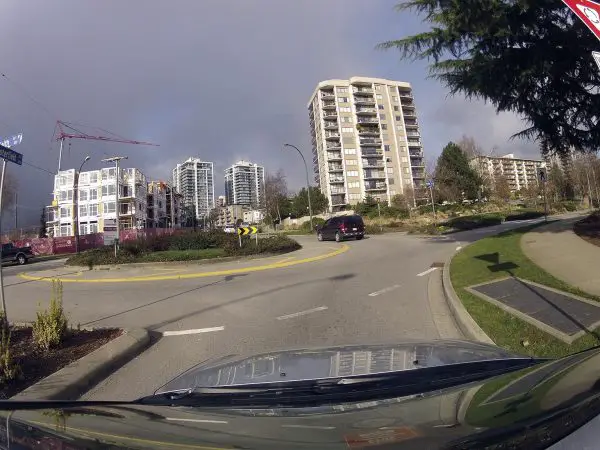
[247,230]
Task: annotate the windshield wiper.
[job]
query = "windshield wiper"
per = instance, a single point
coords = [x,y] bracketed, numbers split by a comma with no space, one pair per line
[307,393]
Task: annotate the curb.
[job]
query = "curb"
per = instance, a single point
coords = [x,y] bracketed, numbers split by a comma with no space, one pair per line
[465,322]
[73,380]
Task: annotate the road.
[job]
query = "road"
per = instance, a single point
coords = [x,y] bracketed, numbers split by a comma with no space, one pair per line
[382,289]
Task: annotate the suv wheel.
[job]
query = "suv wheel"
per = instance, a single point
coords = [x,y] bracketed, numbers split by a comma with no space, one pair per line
[21,259]
[319,236]
[338,237]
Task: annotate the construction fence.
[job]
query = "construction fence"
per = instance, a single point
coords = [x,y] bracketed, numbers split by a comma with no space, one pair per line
[66,245]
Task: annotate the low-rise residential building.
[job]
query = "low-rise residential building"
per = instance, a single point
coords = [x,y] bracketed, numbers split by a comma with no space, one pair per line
[96,200]
[160,214]
[254,216]
[221,200]
[520,173]
[230,214]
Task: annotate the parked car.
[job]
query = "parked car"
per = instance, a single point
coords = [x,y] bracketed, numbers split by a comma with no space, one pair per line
[19,255]
[341,227]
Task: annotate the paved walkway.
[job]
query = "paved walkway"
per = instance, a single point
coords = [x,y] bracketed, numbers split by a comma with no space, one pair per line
[559,251]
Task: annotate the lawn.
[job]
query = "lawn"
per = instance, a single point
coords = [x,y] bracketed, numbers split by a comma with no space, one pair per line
[507,331]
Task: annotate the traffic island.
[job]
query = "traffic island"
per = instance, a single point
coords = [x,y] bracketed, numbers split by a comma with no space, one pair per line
[491,277]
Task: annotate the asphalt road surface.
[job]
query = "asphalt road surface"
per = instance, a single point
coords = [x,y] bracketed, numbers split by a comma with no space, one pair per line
[382,289]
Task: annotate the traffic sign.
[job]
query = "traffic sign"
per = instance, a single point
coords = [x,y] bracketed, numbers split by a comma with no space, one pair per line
[12,141]
[243,231]
[10,155]
[542,175]
[588,12]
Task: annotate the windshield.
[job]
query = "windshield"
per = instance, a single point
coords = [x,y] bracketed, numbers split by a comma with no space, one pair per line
[220,193]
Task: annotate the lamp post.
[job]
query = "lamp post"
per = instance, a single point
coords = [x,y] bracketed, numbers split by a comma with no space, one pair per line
[307,183]
[76,203]
[116,160]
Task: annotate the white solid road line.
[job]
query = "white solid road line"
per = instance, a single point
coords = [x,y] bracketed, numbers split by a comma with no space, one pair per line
[302,313]
[195,420]
[313,427]
[383,291]
[196,331]
[427,271]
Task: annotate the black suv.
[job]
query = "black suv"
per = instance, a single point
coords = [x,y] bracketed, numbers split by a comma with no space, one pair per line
[341,227]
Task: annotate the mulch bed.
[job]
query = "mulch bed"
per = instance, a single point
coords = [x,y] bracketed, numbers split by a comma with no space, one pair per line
[36,363]
[589,229]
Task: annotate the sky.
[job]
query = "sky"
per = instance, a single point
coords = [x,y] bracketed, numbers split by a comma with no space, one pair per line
[221,80]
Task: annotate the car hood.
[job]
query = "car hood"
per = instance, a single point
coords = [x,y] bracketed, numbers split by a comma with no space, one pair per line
[332,362]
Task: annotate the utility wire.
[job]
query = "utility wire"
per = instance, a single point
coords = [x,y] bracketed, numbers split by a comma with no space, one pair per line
[29,96]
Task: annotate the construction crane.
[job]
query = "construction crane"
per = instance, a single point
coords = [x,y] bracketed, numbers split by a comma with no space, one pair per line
[68,131]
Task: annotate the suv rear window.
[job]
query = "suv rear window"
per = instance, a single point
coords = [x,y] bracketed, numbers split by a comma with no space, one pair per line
[354,221]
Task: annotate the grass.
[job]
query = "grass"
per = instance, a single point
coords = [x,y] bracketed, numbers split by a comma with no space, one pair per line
[182,255]
[506,330]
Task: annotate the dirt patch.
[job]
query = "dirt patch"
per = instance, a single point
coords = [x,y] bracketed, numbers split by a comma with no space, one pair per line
[589,229]
[36,363]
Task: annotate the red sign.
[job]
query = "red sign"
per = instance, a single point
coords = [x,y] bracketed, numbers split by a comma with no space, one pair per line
[587,11]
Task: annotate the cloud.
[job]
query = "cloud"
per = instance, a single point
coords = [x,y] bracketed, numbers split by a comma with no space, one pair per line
[219,79]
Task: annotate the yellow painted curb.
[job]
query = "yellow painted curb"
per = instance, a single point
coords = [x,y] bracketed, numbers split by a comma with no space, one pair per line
[278,265]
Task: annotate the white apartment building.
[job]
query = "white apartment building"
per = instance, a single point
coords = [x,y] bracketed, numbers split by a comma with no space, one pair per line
[161,214]
[230,215]
[254,216]
[194,179]
[96,200]
[520,173]
[365,140]
[245,184]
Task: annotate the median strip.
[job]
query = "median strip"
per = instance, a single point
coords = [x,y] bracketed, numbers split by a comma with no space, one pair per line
[278,265]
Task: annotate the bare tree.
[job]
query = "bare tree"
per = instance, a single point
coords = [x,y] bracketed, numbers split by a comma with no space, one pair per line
[468,145]
[275,194]
[502,189]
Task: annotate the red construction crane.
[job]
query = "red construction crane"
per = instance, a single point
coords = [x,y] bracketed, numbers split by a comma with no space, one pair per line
[74,133]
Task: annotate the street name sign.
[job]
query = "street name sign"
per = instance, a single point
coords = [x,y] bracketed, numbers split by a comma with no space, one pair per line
[243,231]
[10,155]
[588,12]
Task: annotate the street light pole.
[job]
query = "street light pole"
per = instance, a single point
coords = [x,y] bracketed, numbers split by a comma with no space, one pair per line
[307,183]
[116,160]
[76,203]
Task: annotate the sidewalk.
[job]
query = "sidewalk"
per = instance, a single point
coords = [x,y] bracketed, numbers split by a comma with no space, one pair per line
[560,252]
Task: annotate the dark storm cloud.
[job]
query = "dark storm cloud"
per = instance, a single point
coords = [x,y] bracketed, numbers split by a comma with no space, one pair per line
[222,80]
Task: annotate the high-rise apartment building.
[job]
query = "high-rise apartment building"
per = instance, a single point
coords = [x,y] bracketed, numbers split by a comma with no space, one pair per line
[519,173]
[194,179]
[245,184]
[96,201]
[365,139]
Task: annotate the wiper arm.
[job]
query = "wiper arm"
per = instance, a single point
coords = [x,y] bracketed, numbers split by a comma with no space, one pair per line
[309,392]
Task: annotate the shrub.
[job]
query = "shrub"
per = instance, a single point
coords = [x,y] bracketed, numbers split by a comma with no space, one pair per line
[9,370]
[50,326]
[524,215]
[475,221]
[373,229]
[316,221]
[272,244]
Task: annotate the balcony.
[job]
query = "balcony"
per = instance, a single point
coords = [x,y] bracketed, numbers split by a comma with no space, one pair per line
[331,124]
[409,114]
[370,141]
[367,120]
[332,135]
[338,199]
[335,168]
[419,174]
[406,94]
[416,162]
[334,156]
[362,100]
[329,114]
[374,175]
[372,163]
[327,95]
[365,110]
[411,123]
[374,186]
[333,146]
[362,90]
[328,105]
[371,151]
[413,133]
[336,180]
[413,144]
[368,131]
[335,191]
[415,153]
